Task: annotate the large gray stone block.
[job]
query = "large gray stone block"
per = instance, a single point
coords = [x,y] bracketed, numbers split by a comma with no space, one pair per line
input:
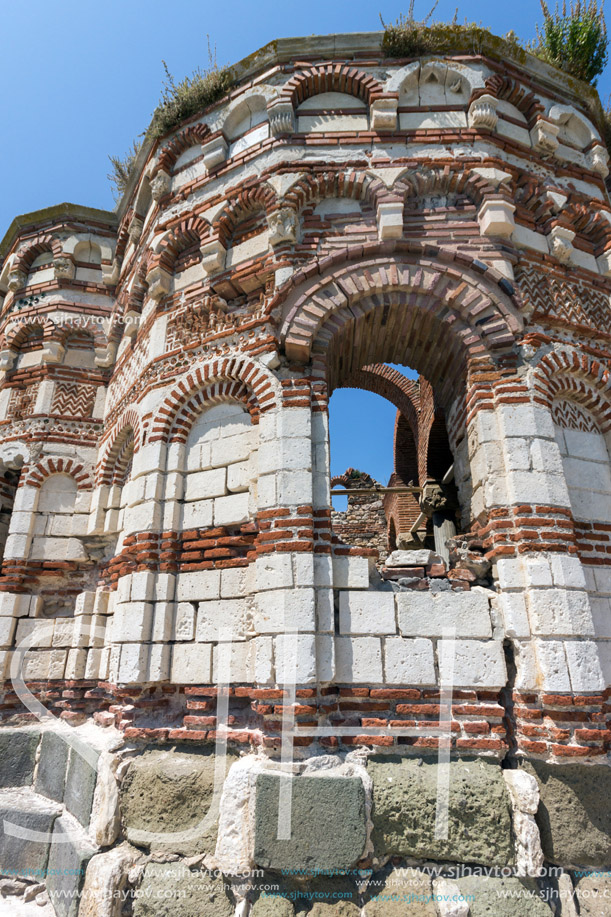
[405,804]
[328,829]
[395,893]
[22,856]
[80,787]
[316,896]
[491,896]
[173,890]
[17,757]
[574,814]
[594,894]
[164,798]
[51,772]
[70,852]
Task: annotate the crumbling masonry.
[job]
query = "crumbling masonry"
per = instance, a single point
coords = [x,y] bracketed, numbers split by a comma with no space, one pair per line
[171,578]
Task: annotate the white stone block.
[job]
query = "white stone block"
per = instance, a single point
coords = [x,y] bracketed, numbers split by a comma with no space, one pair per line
[26,498]
[294,488]
[567,571]
[12,605]
[291,455]
[264,662]
[76,663]
[303,569]
[510,573]
[294,422]
[17,546]
[191,663]
[163,622]
[367,613]
[350,572]
[149,458]
[525,420]
[409,662]
[584,666]
[230,449]
[234,582]
[174,486]
[266,491]
[233,663]
[22,523]
[479,664]
[427,615]
[295,658]
[323,570]
[512,606]
[552,666]
[201,485]
[410,558]
[94,665]
[325,611]
[132,622]
[390,220]
[164,587]
[496,218]
[7,629]
[143,586]
[124,588]
[133,663]
[231,510]
[222,619]
[601,616]
[537,571]
[284,610]
[325,657]
[274,571]
[184,624]
[358,660]
[198,586]
[238,477]
[558,612]
[159,663]
[34,633]
[63,632]
[146,517]
[104,602]
[197,515]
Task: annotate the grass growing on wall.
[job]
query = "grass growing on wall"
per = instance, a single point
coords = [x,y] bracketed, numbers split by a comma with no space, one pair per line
[122,168]
[574,39]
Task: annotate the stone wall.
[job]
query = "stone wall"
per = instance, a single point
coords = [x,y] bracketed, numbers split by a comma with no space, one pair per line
[171,577]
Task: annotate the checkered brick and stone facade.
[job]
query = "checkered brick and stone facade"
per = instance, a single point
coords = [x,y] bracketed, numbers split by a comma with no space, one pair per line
[173,573]
[166,371]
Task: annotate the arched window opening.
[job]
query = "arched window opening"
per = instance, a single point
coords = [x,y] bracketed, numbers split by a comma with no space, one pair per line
[387,428]
[30,347]
[332,111]
[218,469]
[88,262]
[79,349]
[41,269]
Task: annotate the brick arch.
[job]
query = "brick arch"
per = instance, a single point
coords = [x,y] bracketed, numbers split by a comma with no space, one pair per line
[16,334]
[503,87]
[94,329]
[258,197]
[321,185]
[261,387]
[446,180]
[50,466]
[389,383]
[190,136]
[27,255]
[191,230]
[128,424]
[332,77]
[450,299]
[577,377]
[582,218]
[217,393]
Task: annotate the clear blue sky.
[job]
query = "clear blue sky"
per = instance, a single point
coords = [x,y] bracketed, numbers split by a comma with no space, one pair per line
[80,80]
